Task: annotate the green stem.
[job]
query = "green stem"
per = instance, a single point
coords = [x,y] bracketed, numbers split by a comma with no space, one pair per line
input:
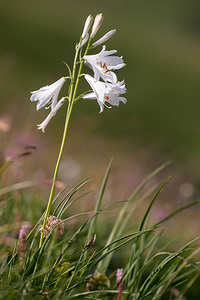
[69,110]
[72,95]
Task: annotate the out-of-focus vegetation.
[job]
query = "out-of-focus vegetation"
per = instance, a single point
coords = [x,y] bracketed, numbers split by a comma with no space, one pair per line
[160,44]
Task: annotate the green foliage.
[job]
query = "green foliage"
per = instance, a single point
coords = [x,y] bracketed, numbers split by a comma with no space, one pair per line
[75,266]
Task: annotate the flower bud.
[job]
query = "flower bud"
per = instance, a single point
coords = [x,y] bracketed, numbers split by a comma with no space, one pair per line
[97,24]
[119,276]
[87,26]
[104,38]
[44,124]
[22,245]
[84,41]
[22,232]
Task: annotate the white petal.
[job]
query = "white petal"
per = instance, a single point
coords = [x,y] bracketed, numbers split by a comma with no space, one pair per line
[90,96]
[105,52]
[48,94]
[114,62]
[122,99]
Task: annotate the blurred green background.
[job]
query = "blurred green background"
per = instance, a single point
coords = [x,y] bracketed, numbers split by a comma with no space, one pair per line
[160,43]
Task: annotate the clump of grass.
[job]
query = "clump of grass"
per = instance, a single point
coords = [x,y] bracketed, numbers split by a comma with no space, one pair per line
[78,265]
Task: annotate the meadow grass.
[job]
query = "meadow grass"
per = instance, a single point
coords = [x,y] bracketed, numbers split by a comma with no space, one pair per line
[75,265]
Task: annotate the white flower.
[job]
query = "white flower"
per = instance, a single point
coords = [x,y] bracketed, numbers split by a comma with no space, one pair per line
[97,24]
[104,38]
[105,92]
[43,125]
[87,26]
[103,64]
[48,95]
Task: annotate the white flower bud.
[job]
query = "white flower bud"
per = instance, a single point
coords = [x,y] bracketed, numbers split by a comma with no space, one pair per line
[84,41]
[44,124]
[87,26]
[104,38]
[97,24]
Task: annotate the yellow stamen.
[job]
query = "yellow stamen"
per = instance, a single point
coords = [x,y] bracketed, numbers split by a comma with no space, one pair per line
[103,65]
[107,70]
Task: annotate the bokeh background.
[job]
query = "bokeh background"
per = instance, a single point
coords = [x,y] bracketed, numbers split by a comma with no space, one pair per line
[160,43]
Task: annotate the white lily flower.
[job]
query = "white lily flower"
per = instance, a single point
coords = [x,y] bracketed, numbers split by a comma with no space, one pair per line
[105,92]
[87,26]
[103,64]
[104,38]
[44,124]
[48,95]
[97,24]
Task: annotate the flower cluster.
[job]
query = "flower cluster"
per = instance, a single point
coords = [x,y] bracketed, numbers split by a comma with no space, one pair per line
[103,64]
[53,222]
[106,88]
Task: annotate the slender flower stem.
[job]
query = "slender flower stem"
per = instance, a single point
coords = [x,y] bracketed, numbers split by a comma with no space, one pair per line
[69,110]
[72,96]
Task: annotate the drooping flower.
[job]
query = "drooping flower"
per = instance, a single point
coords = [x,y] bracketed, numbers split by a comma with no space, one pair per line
[103,64]
[97,24]
[48,95]
[105,92]
[44,124]
[104,38]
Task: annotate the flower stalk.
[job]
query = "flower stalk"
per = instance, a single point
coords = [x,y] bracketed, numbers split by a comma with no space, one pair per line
[72,97]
